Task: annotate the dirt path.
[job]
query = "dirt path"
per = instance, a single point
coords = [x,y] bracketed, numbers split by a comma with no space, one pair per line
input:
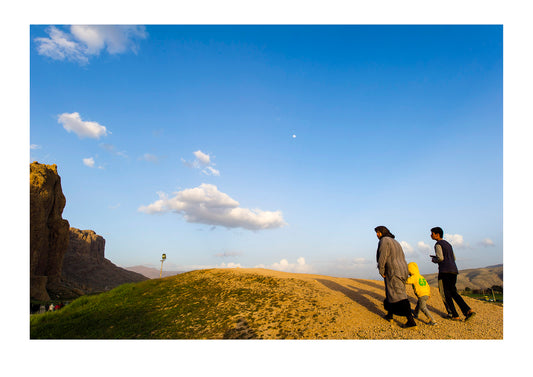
[323,307]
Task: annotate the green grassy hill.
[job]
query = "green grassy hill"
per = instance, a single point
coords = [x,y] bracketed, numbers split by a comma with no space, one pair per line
[252,304]
[199,304]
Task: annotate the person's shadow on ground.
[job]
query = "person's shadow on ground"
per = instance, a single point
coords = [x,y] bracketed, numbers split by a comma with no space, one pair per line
[358,295]
[361,296]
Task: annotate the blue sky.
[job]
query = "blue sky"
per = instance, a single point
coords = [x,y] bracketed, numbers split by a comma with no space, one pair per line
[274,146]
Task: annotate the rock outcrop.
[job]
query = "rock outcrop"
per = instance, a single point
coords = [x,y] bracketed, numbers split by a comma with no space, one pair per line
[86,244]
[86,268]
[49,232]
[65,262]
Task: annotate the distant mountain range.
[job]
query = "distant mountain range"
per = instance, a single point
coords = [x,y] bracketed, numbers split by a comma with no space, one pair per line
[152,273]
[474,278]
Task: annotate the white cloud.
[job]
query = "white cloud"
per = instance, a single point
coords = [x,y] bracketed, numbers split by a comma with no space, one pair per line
[206,205]
[487,242]
[35,146]
[61,46]
[116,39]
[456,240]
[407,249]
[91,163]
[423,247]
[229,265]
[88,162]
[73,123]
[85,41]
[202,161]
[211,171]
[202,157]
[283,265]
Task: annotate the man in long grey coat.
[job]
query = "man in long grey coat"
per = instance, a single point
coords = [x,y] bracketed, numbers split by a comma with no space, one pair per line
[393,268]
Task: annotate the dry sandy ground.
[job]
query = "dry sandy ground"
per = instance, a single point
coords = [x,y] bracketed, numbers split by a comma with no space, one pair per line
[324,307]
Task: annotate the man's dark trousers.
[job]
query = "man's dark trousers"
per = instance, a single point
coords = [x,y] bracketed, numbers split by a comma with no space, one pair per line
[450,293]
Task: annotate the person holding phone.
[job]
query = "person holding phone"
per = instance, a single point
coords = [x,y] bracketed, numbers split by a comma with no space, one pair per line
[447,277]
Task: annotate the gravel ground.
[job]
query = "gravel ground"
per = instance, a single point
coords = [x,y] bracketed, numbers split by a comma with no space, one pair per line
[323,307]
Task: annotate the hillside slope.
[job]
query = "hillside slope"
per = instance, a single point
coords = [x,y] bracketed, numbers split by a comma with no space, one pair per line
[253,304]
[150,272]
[474,278]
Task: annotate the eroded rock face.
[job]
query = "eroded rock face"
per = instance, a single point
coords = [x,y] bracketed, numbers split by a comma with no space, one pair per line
[65,262]
[86,244]
[49,232]
[85,265]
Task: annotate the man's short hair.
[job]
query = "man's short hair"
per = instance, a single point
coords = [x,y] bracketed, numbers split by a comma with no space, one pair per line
[437,230]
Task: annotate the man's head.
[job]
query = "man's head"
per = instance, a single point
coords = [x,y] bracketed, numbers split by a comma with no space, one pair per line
[437,233]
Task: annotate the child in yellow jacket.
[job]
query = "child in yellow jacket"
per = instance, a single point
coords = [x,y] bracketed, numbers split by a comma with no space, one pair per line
[422,291]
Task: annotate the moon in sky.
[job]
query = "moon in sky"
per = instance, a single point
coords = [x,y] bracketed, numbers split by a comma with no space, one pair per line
[294,136]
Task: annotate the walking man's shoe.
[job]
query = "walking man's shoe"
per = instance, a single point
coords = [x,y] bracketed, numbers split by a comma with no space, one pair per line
[469,315]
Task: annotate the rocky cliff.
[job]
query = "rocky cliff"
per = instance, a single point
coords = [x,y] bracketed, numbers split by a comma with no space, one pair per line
[49,232]
[64,262]
[86,268]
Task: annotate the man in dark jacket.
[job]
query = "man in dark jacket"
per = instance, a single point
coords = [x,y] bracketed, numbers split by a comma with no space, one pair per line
[448,271]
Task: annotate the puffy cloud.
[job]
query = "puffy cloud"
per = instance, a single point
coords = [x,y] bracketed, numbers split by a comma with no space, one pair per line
[116,39]
[205,204]
[84,41]
[61,46]
[283,265]
[202,161]
[423,247]
[202,157]
[88,162]
[455,239]
[487,242]
[73,123]
[407,249]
